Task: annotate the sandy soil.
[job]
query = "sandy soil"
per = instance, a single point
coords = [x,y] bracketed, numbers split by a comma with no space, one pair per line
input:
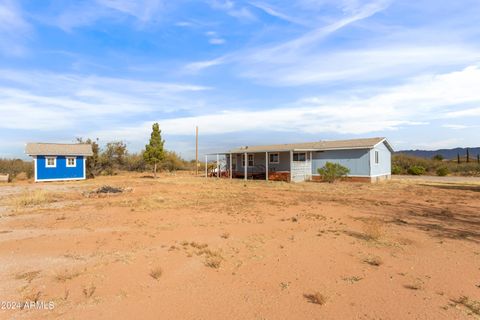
[182,247]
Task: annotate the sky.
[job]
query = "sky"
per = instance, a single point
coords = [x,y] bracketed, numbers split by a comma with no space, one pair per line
[246,72]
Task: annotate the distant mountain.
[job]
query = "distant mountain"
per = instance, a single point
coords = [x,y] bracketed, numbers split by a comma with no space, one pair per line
[446,153]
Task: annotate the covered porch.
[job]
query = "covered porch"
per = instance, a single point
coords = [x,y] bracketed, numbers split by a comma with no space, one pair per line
[271,165]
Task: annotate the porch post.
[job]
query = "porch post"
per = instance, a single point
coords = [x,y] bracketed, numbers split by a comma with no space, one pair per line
[291,164]
[266,166]
[218,166]
[245,166]
[231,160]
[311,166]
[206,166]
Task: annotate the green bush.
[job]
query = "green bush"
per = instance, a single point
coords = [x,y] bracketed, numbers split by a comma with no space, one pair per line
[416,170]
[333,171]
[442,171]
[396,169]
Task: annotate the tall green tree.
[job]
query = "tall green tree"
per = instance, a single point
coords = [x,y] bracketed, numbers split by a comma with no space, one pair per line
[154,152]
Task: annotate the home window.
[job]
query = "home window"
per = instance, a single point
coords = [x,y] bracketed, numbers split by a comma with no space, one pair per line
[377,160]
[71,162]
[299,156]
[50,162]
[273,158]
[250,160]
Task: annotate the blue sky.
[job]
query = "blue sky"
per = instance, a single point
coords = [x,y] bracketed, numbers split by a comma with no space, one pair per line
[246,72]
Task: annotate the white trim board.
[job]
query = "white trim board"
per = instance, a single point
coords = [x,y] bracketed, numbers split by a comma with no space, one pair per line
[361,176]
[60,179]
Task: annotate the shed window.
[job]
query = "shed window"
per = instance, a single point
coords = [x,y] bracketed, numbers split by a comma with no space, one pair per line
[51,162]
[250,160]
[377,159]
[299,156]
[71,162]
[273,158]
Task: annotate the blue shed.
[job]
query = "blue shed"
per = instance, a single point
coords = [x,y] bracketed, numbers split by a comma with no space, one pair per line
[368,159]
[56,161]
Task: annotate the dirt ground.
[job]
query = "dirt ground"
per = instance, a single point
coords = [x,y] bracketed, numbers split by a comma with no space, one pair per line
[184,247]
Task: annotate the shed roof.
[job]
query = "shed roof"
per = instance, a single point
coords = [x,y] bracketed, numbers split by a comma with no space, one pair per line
[59,149]
[367,143]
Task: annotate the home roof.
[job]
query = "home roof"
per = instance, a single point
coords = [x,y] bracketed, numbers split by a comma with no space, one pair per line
[367,143]
[58,149]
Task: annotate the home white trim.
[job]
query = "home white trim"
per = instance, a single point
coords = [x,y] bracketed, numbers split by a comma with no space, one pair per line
[361,175]
[273,153]
[248,160]
[35,167]
[67,159]
[54,165]
[304,153]
[59,179]
[84,167]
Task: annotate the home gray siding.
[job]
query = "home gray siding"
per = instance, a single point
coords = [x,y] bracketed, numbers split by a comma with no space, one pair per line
[259,162]
[384,166]
[357,160]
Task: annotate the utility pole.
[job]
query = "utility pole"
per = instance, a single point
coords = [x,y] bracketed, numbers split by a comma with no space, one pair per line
[196,150]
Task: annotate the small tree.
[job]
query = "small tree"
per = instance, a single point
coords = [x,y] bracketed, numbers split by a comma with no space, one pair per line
[438,157]
[94,166]
[331,172]
[154,152]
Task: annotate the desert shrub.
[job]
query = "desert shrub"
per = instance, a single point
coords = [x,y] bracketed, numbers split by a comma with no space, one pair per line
[438,157]
[135,162]
[396,169]
[13,167]
[331,172]
[416,170]
[172,162]
[402,163]
[22,176]
[442,171]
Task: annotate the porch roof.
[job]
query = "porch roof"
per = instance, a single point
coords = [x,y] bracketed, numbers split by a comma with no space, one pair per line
[367,143]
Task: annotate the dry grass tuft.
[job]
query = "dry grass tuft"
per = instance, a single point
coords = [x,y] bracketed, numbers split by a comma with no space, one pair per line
[29,276]
[373,261]
[65,275]
[415,285]
[213,259]
[33,198]
[352,279]
[197,245]
[374,229]
[156,273]
[316,298]
[33,295]
[89,291]
[225,235]
[470,304]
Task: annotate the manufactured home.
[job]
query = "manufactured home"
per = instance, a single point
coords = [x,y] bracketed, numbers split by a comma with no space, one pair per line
[56,161]
[368,160]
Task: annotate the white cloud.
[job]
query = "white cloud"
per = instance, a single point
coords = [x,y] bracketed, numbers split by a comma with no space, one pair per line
[46,101]
[87,13]
[457,126]
[417,102]
[216,41]
[13,28]
[291,54]
[230,7]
